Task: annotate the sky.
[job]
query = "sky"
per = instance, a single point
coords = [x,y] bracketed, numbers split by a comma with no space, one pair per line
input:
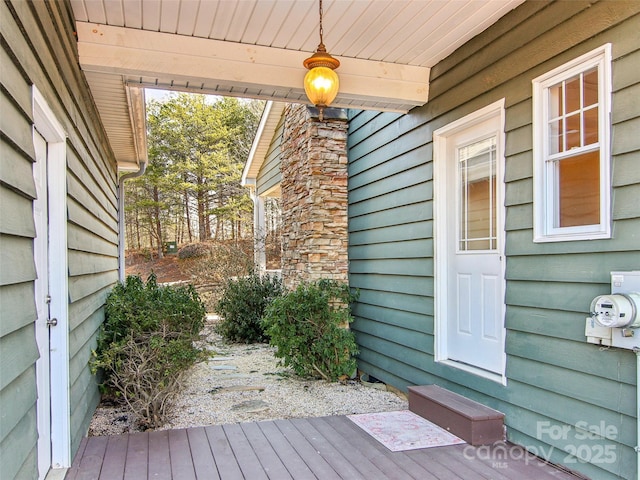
[155,94]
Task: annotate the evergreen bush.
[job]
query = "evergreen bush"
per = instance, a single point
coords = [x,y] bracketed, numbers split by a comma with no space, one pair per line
[242,305]
[309,328]
[146,344]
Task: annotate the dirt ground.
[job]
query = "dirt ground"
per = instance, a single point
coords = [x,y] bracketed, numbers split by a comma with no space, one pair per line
[166,269]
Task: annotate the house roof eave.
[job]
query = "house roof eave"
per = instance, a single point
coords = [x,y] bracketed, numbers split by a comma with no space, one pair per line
[266,129]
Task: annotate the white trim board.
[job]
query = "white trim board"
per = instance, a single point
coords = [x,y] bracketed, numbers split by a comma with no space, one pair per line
[50,128]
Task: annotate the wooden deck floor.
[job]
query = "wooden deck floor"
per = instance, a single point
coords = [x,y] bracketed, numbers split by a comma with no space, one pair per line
[323,448]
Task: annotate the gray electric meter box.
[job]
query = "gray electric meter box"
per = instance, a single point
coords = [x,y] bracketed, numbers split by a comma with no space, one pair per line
[615,318]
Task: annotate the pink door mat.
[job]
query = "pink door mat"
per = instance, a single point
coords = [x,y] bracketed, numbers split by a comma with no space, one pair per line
[404,430]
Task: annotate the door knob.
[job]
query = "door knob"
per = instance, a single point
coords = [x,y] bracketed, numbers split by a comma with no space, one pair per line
[52,322]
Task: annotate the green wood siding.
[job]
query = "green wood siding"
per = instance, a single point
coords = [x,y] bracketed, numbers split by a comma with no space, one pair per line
[269,175]
[39,49]
[553,375]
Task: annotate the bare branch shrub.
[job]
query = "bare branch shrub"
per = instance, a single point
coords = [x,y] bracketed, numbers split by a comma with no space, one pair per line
[223,260]
[148,374]
[210,271]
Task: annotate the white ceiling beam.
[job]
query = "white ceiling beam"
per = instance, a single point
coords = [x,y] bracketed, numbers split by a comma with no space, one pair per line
[126,51]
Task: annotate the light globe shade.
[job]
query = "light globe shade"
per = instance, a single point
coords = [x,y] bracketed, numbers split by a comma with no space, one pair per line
[321,85]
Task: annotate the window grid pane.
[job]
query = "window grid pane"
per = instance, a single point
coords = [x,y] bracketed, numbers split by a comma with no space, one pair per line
[577,181]
[573,113]
[572,126]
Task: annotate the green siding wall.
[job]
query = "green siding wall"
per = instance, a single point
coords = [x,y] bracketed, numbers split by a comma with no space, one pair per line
[269,175]
[553,374]
[39,48]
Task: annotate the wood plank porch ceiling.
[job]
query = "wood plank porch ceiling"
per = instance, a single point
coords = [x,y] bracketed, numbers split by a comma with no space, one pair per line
[255,49]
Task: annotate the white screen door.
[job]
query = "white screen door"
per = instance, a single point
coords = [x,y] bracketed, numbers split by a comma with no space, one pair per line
[469,247]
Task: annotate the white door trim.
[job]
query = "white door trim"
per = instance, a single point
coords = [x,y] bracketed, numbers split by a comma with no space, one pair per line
[52,131]
[41,290]
[441,244]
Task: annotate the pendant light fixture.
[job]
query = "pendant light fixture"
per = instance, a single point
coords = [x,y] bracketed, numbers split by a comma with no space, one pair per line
[321,82]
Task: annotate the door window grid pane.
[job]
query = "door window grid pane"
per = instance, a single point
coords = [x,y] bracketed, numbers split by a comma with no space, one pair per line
[477,204]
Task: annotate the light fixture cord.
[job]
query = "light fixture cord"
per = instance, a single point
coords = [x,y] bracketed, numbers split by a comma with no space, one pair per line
[321,30]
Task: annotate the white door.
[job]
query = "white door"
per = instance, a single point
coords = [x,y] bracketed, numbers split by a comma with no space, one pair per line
[469,253]
[41,254]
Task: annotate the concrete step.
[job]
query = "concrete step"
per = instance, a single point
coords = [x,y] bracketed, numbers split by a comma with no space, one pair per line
[473,422]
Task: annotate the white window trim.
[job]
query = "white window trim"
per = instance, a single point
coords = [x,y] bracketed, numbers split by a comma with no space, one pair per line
[543,204]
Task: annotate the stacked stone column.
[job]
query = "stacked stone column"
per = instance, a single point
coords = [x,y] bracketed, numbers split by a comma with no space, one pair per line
[314,196]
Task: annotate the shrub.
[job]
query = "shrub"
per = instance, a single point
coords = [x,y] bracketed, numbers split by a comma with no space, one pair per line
[309,328]
[193,250]
[242,305]
[146,344]
[221,261]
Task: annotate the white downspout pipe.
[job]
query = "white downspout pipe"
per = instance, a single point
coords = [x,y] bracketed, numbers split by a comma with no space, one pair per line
[121,237]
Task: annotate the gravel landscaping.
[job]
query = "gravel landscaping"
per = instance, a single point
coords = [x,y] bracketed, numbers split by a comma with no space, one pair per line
[244,383]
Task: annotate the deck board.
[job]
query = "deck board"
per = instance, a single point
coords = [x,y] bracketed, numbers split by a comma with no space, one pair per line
[300,449]
[273,466]
[159,457]
[223,454]
[137,461]
[296,466]
[399,463]
[317,464]
[203,463]
[244,453]
[92,459]
[476,468]
[75,465]
[181,461]
[333,456]
[115,457]
[440,466]
[361,463]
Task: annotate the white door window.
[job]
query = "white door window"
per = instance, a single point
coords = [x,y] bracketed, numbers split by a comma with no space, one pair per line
[468,195]
[476,207]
